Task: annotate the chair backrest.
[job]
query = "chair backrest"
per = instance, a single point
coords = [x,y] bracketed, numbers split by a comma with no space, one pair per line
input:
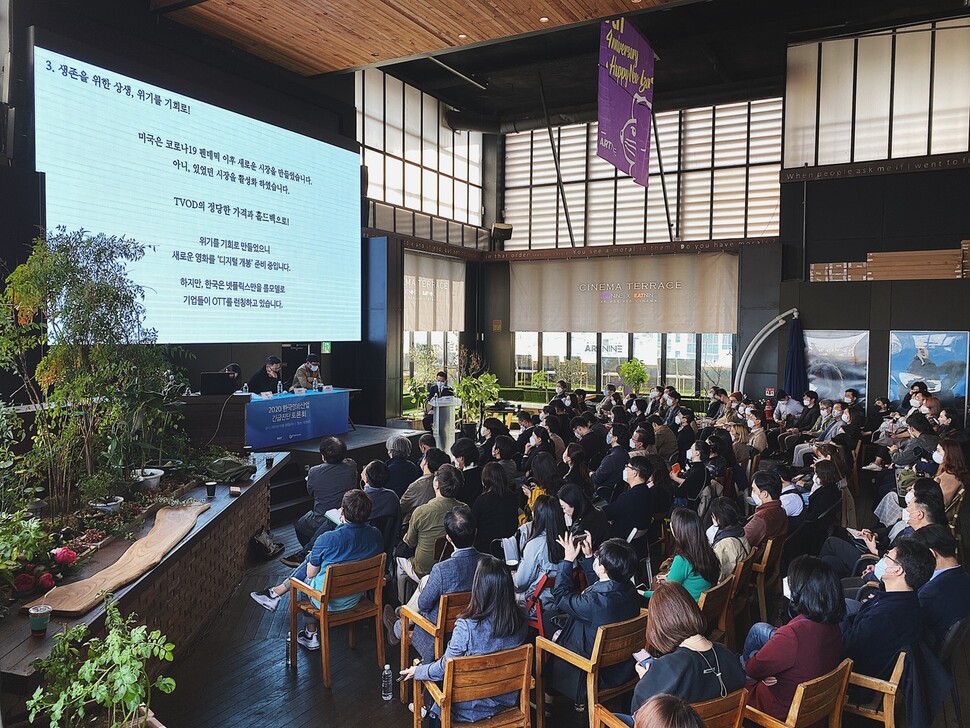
[449,607]
[354,577]
[442,548]
[603,717]
[820,698]
[485,676]
[955,637]
[771,554]
[953,509]
[753,465]
[726,712]
[714,602]
[616,642]
[742,575]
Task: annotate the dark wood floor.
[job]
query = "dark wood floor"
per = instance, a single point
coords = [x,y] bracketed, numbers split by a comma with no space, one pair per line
[237,674]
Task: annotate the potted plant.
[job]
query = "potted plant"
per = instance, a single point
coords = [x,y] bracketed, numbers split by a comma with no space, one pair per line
[633,374]
[573,371]
[540,380]
[475,393]
[98,491]
[85,673]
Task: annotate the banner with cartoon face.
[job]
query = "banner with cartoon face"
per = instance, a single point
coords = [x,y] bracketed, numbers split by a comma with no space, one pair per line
[938,358]
[837,361]
[625,99]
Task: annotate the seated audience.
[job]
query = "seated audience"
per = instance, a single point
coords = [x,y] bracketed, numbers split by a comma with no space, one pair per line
[686,432]
[503,452]
[496,510]
[694,562]
[643,441]
[539,442]
[730,545]
[825,491]
[757,439]
[593,445]
[769,520]
[384,502]
[684,662]
[807,419]
[739,441]
[403,471]
[542,550]
[425,443]
[787,409]
[491,428]
[809,646]
[945,598]
[543,479]
[466,456]
[526,424]
[609,475]
[952,475]
[577,471]
[422,489]
[582,516]
[610,597]
[634,507]
[672,400]
[352,540]
[667,711]
[692,482]
[492,622]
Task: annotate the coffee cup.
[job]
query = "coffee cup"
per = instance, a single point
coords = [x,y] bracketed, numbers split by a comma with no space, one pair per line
[270,459]
[210,489]
[40,617]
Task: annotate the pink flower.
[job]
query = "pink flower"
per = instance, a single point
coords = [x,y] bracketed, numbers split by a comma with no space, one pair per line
[24,583]
[65,556]
[46,581]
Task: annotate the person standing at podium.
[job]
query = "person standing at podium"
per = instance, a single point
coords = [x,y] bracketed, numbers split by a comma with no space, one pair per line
[438,388]
[268,376]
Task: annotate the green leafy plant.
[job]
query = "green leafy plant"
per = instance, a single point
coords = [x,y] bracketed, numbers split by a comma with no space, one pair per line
[475,393]
[98,488]
[22,538]
[573,371]
[634,374]
[109,671]
[540,380]
[424,358]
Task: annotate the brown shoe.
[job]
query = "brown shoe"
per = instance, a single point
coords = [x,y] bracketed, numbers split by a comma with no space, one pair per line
[390,617]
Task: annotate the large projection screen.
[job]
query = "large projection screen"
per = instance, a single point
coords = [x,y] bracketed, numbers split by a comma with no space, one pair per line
[252,231]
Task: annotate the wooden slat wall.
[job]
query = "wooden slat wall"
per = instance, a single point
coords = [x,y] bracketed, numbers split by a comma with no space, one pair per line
[310,37]
[915,265]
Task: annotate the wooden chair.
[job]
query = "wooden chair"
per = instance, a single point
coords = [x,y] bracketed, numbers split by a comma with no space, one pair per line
[714,605]
[726,712]
[615,643]
[662,534]
[740,600]
[482,676]
[814,701]
[449,607]
[603,717]
[767,571]
[854,475]
[533,604]
[882,710]
[753,465]
[954,641]
[341,580]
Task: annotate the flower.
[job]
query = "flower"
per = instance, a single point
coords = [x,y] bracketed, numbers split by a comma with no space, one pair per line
[24,583]
[65,556]
[46,581]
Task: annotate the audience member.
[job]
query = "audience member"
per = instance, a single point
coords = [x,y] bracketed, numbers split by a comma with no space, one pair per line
[633,508]
[542,550]
[496,509]
[945,598]
[609,475]
[422,490]
[694,562]
[769,520]
[466,456]
[403,471]
[730,545]
[667,711]
[491,428]
[582,516]
[578,472]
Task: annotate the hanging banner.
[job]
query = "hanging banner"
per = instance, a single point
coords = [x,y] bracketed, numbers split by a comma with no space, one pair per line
[837,361]
[625,99]
[938,358]
[434,293]
[665,293]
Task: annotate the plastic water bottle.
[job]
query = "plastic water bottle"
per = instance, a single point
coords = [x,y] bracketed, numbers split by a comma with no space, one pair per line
[287,650]
[279,387]
[387,683]
[245,388]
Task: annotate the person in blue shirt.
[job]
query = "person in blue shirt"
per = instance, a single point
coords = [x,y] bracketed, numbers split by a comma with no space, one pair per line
[945,598]
[352,540]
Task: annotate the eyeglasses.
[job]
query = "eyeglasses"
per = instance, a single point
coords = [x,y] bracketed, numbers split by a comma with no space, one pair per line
[887,556]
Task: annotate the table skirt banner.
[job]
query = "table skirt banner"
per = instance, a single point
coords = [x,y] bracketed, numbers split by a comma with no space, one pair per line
[294,417]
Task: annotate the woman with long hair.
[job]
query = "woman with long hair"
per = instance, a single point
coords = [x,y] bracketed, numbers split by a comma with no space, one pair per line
[581,515]
[684,662]
[542,550]
[952,473]
[809,646]
[739,441]
[496,510]
[491,428]
[539,442]
[576,460]
[667,711]
[945,426]
[727,535]
[491,622]
[694,564]
[620,415]
[544,477]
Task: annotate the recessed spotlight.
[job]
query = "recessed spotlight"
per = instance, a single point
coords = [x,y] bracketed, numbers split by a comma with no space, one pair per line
[543,19]
[462,36]
[375,54]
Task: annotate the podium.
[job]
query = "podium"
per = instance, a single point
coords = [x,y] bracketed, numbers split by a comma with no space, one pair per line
[443,424]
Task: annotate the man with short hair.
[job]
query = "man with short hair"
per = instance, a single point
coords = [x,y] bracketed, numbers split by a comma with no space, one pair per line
[454,574]
[376,476]
[427,524]
[438,388]
[769,520]
[525,430]
[664,438]
[308,374]
[851,399]
[422,490]
[633,509]
[890,620]
[757,437]
[326,483]
[945,598]
[352,540]
[672,399]
[268,377]
[787,409]
[592,444]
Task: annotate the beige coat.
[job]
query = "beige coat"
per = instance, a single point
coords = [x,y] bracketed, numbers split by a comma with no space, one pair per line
[729,552]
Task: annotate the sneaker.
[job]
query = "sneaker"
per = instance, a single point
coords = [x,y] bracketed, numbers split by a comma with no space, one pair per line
[293,560]
[875,467]
[390,619]
[266,599]
[424,711]
[310,640]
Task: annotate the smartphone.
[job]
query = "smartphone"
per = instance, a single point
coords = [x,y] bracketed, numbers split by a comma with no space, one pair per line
[675,468]
[643,658]
[580,537]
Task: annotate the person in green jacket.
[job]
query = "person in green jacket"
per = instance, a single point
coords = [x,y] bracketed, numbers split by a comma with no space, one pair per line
[695,565]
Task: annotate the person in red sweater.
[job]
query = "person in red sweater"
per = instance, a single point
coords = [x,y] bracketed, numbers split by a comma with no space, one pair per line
[769,519]
[809,646]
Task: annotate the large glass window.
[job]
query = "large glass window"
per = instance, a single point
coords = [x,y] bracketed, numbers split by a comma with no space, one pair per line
[721,166]
[646,348]
[614,350]
[680,362]
[426,352]
[526,357]
[553,351]
[717,358]
[582,347]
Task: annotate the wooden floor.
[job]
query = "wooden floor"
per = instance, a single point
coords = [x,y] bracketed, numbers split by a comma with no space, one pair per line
[237,674]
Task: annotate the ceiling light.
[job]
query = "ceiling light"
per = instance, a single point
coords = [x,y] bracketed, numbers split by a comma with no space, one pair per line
[543,19]
[462,36]
[375,54]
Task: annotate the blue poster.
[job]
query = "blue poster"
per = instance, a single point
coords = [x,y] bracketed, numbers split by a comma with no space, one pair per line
[938,358]
[287,418]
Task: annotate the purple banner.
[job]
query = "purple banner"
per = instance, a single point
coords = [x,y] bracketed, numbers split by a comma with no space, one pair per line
[625,99]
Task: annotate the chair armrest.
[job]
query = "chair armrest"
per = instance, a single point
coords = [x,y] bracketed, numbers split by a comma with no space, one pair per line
[434,691]
[546,645]
[872,683]
[602,716]
[298,586]
[760,718]
[419,620]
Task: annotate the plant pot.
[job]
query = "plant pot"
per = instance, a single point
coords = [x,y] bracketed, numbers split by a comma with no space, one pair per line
[167,464]
[147,478]
[109,505]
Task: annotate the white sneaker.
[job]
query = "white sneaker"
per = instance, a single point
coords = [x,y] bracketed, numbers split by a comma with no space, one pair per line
[266,599]
[310,640]
[424,711]
[875,467]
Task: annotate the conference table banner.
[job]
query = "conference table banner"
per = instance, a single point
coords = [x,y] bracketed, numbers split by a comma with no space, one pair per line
[663,293]
[286,418]
[434,293]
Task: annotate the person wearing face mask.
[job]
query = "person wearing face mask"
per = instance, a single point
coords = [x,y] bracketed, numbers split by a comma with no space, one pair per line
[945,426]
[664,438]
[526,423]
[714,405]
[807,420]
[643,441]
[690,484]
[739,442]
[633,508]
[731,413]
[875,632]
[491,428]
[268,377]
[608,477]
[878,415]
[945,598]
[466,460]
[562,387]
[686,432]
[593,444]
[911,402]
[727,536]
[952,473]
[757,438]
[851,398]
[655,404]
[824,493]
[921,435]
[787,409]
[308,374]
[539,441]
[824,430]
[638,413]
[769,520]
[672,399]
[608,391]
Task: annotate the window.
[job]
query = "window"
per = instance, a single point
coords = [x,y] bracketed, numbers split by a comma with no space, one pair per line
[721,167]
[526,357]
[717,358]
[680,363]
[553,351]
[614,350]
[646,348]
[582,347]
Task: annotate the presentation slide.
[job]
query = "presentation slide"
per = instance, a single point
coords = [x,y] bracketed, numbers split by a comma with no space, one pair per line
[252,232]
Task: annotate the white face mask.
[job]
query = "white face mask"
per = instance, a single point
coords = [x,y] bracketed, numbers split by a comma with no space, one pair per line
[633,444]
[483,432]
[756,497]
[633,409]
[653,394]
[568,402]
[533,441]
[314,367]
[905,516]
[924,409]
[751,424]
[609,438]
[667,399]
[734,405]
[825,412]
[807,402]
[910,497]
[938,458]
[679,420]
[845,417]
[558,390]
